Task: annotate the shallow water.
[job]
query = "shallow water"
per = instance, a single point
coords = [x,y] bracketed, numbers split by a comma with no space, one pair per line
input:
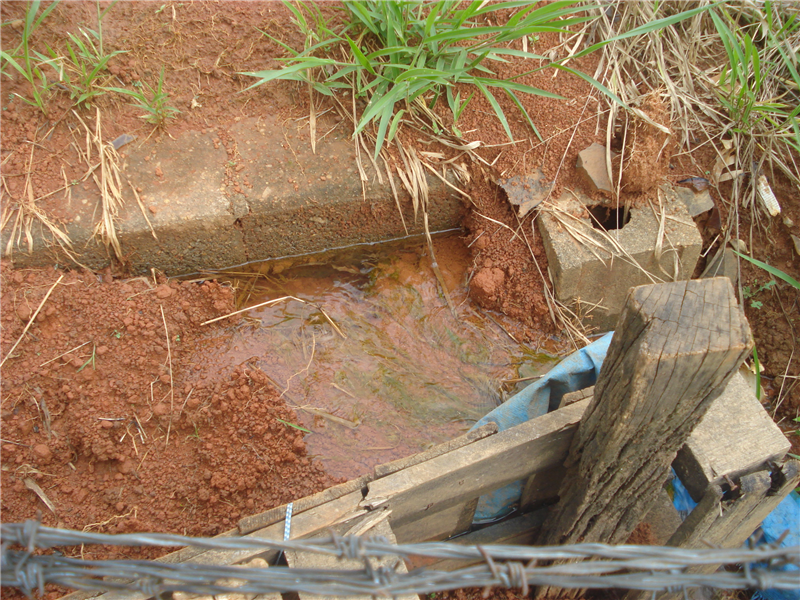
[398,372]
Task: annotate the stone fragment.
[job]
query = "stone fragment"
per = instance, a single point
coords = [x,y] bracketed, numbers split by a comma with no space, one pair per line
[723,265]
[24,312]
[486,285]
[725,262]
[592,167]
[526,191]
[696,202]
[42,451]
[796,241]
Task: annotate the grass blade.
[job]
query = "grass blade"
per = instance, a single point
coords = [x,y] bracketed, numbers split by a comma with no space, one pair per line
[771,270]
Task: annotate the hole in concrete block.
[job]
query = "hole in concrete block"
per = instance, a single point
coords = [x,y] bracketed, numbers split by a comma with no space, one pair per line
[606,218]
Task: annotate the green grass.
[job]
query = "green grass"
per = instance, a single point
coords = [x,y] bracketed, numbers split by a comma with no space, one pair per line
[154,103]
[780,275]
[761,46]
[288,424]
[771,270]
[396,51]
[82,69]
[29,63]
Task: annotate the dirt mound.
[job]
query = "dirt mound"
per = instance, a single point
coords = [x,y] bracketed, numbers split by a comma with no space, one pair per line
[648,149]
[125,431]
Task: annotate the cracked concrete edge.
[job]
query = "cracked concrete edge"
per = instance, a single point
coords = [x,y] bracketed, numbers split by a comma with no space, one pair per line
[597,279]
[285,201]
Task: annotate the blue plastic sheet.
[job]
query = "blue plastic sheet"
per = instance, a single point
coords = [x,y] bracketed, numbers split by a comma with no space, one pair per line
[576,372]
[784,519]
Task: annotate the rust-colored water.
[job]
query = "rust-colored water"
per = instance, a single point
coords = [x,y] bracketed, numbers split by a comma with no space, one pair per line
[400,374]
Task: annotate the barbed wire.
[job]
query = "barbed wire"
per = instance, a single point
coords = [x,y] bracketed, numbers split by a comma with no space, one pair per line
[649,568]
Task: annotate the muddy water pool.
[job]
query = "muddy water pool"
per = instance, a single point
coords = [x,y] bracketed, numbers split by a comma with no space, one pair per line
[368,352]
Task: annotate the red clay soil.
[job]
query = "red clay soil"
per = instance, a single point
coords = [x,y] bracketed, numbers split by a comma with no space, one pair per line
[120,426]
[106,404]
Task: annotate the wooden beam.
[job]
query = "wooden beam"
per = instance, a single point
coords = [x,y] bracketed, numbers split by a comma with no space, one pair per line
[518,531]
[726,517]
[675,348]
[736,436]
[464,474]
[409,461]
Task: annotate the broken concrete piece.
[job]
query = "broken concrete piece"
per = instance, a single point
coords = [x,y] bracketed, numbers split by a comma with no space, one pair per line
[526,191]
[724,264]
[751,440]
[592,167]
[696,202]
[592,270]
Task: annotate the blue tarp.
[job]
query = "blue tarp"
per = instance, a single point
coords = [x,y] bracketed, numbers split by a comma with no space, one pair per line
[576,372]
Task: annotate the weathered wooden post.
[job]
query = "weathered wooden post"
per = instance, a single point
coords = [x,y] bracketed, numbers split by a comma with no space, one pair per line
[675,347]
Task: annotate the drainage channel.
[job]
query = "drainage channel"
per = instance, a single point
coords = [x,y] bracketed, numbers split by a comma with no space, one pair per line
[368,353]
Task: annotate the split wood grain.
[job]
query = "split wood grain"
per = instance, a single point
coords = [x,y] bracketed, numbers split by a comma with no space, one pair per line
[726,518]
[675,348]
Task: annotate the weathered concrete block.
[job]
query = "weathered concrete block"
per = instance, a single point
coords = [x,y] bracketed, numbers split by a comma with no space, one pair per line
[301,202]
[261,194]
[735,437]
[184,199]
[592,270]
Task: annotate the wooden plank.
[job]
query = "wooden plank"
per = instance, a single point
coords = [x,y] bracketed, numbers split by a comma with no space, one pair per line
[305,524]
[726,518]
[463,440]
[541,488]
[728,523]
[675,348]
[464,474]
[576,396]
[520,531]
[273,515]
[437,526]
[735,437]
[311,560]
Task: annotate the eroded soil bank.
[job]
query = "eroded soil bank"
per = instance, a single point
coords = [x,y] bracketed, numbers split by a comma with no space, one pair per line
[108,411]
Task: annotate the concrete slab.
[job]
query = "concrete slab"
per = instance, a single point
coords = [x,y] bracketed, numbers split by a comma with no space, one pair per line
[751,440]
[258,193]
[593,272]
[303,202]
